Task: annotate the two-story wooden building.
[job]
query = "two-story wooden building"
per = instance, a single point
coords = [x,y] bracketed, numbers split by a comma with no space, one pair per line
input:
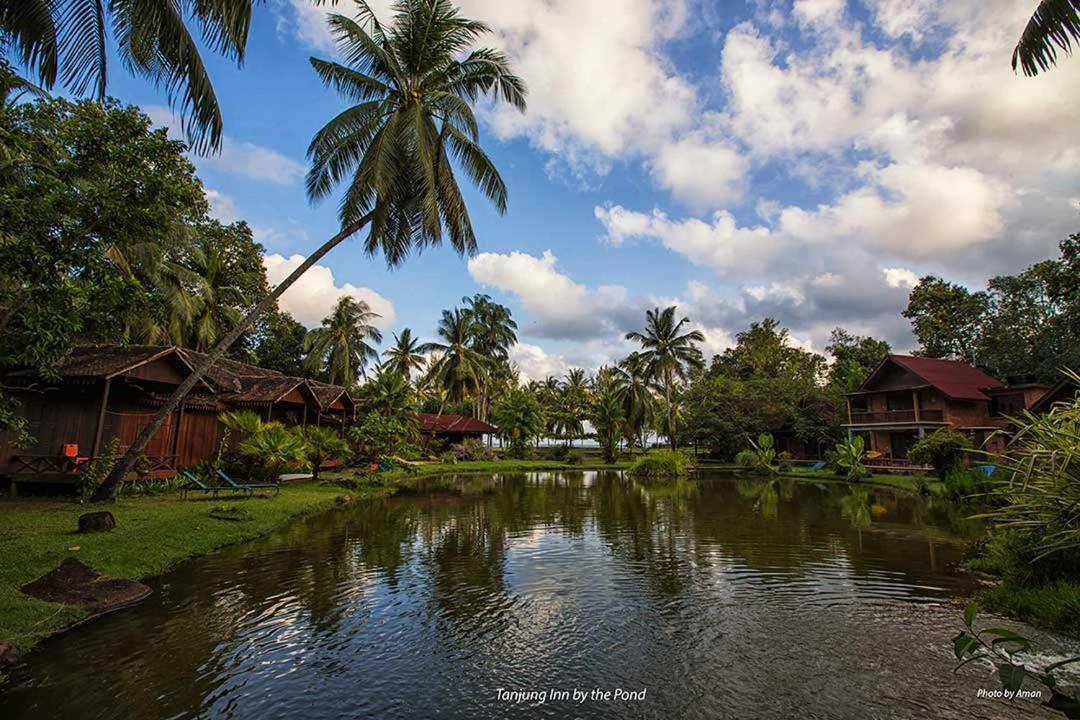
[906,397]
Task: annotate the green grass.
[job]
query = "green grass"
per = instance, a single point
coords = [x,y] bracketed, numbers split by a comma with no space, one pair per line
[1053,606]
[153,534]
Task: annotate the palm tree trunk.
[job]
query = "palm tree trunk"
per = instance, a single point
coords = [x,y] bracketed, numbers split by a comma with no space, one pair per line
[670,409]
[106,492]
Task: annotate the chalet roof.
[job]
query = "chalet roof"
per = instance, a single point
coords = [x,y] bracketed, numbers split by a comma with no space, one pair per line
[264,389]
[956,379]
[327,394]
[430,422]
[226,374]
[1063,391]
[92,361]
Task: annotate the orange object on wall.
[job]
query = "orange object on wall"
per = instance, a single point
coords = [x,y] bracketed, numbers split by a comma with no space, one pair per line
[71,450]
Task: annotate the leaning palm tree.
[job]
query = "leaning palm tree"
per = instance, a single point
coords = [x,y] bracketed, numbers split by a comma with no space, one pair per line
[339,350]
[413,84]
[1054,23]
[406,354]
[68,41]
[667,354]
[458,370]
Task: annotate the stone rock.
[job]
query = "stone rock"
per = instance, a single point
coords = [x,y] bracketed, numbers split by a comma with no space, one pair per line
[97,522]
[9,655]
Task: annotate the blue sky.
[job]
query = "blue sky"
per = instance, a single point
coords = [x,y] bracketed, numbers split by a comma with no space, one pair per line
[804,159]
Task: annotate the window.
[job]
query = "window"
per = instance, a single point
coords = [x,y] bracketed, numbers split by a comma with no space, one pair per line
[1007,405]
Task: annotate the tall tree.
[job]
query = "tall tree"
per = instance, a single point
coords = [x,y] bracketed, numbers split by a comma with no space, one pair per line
[1055,24]
[414,84]
[68,41]
[668,354]
[854,358]
[339,350]
[406,354]
[458,369]
[946,318]
[279,343]
[494,332]
[634,393]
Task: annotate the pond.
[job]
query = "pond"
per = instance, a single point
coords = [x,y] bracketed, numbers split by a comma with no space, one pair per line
[713,598]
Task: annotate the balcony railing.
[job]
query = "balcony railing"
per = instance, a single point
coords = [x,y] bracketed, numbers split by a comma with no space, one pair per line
[894,416]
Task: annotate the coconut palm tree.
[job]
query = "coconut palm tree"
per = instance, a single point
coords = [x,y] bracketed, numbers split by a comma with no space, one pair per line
[635,395]
[414,84]
[339,349]
[494,332]
[1054,23]
[321,444]
[406,354]
[667,354]
[458,371]
[68,41]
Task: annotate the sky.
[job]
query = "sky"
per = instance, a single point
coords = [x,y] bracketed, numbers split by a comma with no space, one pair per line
[806,160]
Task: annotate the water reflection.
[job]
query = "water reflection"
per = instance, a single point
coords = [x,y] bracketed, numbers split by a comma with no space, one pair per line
[425,603]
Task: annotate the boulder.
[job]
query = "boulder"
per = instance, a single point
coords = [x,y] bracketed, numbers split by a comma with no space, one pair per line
[97,522]
[9,655]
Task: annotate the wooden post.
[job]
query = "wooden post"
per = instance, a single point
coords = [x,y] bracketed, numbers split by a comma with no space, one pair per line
[915,403]
[303,420]
[101,419]
[269,409]
[849,410]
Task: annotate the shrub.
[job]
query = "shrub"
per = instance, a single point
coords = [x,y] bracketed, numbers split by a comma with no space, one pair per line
[660,464]
[378,437]
[447,457]
[961,482]
[472,449]
[943,449]
[760,456]
[575,458]
[850,457]
[559,453]
[785,460]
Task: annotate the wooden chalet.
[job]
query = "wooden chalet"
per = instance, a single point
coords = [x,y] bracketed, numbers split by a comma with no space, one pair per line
[453,428]
[106,392]
[906,397]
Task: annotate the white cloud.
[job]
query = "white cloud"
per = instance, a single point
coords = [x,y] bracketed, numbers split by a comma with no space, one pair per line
[313,296]
[236,157]
[222,206]
[900,277]
[535,363]
[701,171]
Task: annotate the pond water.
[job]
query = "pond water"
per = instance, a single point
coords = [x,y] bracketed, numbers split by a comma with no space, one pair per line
[716,597]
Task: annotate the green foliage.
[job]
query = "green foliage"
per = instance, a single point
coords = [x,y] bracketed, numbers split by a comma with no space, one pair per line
[962,483]
[760,456]
[99,469]
[378,437]
[278,343]
[1023,327]
[607,417]
[850,457]
[276,447]
[520,420]
[668,353]
[471,449]
[1000,647]
[321,444]
[1037,485]
[943,449]
[660,465]
[854,358]
[338,352]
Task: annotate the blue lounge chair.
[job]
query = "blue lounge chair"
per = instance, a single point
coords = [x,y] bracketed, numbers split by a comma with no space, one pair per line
[988,470]
[818,465]
[194,482]
[247,487]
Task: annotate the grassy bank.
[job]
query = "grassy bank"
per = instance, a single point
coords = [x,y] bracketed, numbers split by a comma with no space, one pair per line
[152,535]
[156,533]
[1052,606]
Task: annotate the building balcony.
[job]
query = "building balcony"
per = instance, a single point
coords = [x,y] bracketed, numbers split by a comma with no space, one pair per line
[890,417]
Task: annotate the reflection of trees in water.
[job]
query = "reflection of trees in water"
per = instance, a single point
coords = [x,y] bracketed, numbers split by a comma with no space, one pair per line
[765,493]
[855,506]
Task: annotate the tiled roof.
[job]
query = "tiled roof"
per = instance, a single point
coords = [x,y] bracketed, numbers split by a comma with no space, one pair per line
[327,394]
[225,374]
[262,389]
[105,360]
[956,379]
[453,424]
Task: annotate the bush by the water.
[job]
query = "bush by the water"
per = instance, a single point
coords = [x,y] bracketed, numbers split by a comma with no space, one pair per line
[942,449]
[660,464]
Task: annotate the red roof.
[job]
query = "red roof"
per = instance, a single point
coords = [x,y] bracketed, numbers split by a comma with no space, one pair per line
[956,379]
[430,422]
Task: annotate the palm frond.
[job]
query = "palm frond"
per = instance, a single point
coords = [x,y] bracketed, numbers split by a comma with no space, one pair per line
[30,26]
[82,40]
[1055,24]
